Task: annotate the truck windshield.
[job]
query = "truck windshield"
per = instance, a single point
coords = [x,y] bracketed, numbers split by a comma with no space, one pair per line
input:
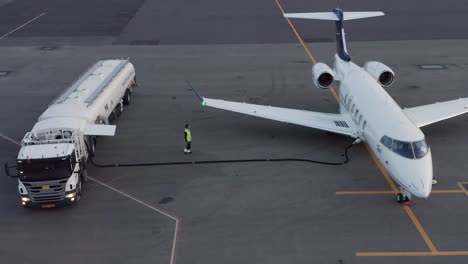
[44,169]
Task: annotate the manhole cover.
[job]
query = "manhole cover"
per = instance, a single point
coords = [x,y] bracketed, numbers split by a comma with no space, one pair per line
[432,66]
[144,42]
[166,200]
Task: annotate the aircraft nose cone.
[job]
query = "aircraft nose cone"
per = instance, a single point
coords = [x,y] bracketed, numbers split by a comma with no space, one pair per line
[423,180]
[426,186]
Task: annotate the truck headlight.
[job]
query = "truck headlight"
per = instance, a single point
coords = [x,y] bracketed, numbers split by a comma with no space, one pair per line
[25,199]
[70,195]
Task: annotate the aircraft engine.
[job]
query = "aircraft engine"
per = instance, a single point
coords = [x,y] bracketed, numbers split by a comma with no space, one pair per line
[322,75]
[381,73]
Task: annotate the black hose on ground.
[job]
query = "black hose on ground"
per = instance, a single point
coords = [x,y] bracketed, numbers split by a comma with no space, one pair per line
[116,165]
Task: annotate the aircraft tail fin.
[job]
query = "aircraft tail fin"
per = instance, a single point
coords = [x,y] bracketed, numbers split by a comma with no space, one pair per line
[338,16]
[332,16]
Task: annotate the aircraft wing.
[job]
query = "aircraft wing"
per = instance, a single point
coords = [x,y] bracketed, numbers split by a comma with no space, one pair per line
[335,123]
[427,114]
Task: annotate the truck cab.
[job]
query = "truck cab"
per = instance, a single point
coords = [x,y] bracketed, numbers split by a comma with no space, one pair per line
[50,168]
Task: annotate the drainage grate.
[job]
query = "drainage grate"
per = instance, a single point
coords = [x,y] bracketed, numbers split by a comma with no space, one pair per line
[4,73]
[432,66]
[144,42]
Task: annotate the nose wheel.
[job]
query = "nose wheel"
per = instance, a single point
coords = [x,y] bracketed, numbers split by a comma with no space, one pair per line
[400,198]
[404,198]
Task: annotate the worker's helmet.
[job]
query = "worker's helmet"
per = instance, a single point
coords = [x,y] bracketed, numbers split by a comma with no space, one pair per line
[187,125]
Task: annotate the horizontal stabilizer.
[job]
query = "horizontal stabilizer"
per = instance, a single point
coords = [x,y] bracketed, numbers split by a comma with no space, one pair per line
[333,16]
[100,130]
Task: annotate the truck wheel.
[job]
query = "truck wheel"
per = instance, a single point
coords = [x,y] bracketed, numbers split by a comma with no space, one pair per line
[92,147]
[127,97]
[79,189]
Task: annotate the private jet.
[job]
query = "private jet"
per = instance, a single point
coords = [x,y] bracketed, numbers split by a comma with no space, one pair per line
[367,112]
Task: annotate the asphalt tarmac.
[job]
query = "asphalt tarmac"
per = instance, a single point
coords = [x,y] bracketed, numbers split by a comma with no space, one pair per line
[271,213]
[157,22]
[232,213]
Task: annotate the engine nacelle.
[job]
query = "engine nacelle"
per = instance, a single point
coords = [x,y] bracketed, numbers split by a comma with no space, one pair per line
[322,75]
[381,73]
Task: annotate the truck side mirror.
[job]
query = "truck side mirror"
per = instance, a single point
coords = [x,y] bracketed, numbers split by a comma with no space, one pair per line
[7,170]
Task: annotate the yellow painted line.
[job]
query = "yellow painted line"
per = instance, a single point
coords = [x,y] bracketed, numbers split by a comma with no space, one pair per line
[463,187]
[297,34]
[408,210]
[411,254]
[387,177]
[332,90]
[392,192]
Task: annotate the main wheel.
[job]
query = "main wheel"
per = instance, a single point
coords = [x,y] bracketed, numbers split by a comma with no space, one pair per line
[400,198]
[127,97]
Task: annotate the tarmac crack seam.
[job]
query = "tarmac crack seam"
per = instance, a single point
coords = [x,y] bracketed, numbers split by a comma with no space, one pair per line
[176,219]
[409,212]
[20,27]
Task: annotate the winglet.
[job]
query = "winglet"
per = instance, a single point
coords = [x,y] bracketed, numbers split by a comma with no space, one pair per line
[202,100]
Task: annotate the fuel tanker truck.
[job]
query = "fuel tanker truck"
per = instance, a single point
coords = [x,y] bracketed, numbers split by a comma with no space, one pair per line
[52,162]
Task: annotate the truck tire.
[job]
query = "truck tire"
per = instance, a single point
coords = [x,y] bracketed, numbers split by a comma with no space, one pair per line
[79,190]
[92,146]
[127,97]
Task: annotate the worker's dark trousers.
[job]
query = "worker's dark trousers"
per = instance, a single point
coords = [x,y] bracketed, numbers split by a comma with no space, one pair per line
[189,145]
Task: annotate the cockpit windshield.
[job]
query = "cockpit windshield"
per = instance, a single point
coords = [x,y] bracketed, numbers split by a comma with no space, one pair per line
[420,149]
[411,150]
[44,169]
[403,148]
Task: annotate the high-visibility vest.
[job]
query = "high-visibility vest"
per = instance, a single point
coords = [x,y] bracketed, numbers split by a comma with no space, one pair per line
[189,135]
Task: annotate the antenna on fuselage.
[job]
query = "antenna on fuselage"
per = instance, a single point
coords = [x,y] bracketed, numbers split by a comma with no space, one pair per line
[338,16]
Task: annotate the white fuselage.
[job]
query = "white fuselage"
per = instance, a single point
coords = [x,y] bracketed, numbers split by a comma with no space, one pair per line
[375,115]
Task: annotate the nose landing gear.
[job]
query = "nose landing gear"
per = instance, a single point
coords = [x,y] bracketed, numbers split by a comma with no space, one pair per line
[404,198]
[400,198]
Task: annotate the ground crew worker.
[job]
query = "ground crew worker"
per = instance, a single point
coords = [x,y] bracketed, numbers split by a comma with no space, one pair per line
[188,139]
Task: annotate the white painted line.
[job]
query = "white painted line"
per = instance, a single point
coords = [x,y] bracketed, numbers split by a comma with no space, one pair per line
[10,139]
[177,220]
[25,24]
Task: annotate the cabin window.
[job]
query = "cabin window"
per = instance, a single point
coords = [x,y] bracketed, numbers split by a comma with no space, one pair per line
[357,112]
[346,98]
[364,125]
[360,119]
[352,108]
[387,141]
